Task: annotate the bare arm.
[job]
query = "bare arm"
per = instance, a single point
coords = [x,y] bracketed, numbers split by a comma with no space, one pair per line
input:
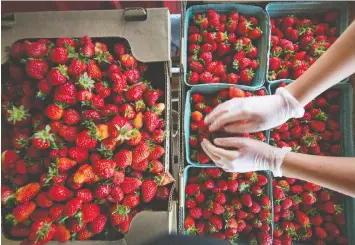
[332,67]
[336,173]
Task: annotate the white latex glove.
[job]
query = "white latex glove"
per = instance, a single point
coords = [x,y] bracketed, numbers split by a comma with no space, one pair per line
[253,114]
[247,155]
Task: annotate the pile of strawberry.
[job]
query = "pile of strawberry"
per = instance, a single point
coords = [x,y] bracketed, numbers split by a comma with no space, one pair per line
[202,105]
[228,206]
[296,43]
[307,212]
[221,48]
[84,140]
[302,210]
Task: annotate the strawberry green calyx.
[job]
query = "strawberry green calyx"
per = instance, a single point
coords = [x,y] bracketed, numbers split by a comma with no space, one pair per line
[235,64]
[322,116]
[253,242]
[192,231]
[71,51]
[90,125]
[124,133]
[17,114]
[106,153]
[53,171]
[297,199]
[243,187]
[42,233]
[46,136]
[41,95]
[121,210]
[64,70]
[10,218]
[140,105]
[86,82]
[102,57]
[254,177]
[312,212]
[309,139]
[338,209]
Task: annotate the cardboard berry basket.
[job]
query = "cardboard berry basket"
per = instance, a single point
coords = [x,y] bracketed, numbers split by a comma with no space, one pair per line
[206,90]
[148,44]
[248,10]
[182,194]
[347,143]
[308,9]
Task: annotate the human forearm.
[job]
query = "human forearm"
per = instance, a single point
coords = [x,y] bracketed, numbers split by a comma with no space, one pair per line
[337,63]
[336,173]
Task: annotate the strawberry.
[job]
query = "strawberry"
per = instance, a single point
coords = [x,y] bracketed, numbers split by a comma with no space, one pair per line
[21,212]
[36,69]
[320,232]
[215,223]
[130,185]
[98,224]
[27,192]
[246,76]
[43,201]
[84,234]
[246,200]
[20,230]
[43,230]
[255,33]
[62,234]
[141,152]
[84,174]
[59,193]
[149,190]
[87,139]
[72,206]
[123,158]
[58,55]
[104,168]
[118,214]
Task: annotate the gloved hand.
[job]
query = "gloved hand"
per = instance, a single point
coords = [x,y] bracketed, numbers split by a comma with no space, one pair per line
[247,155]
[253,114]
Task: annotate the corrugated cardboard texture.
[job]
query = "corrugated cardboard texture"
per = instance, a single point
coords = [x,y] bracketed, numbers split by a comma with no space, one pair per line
[149,39]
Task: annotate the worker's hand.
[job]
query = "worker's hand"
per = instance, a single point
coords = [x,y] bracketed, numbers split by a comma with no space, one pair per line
[253,114]
[247,155]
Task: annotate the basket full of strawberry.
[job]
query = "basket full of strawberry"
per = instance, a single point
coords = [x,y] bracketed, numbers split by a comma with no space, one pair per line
[84,141]
[228,206]
[225,43]
[300,34]
[304,211]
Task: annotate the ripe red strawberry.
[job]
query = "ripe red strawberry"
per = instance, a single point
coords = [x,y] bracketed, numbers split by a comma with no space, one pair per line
[195,213]
[130,185]
[21,212]
[156,151]
[59,193]
[123,158]
[42,230]
[141,166]
[246,199]
[215,223]
[98,224]
[36,69]
[244,28]
[255,33]
[104,168]
[149,190]
[246,76]
[308,198]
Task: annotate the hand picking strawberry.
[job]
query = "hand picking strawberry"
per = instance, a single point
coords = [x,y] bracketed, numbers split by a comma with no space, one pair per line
[87,133]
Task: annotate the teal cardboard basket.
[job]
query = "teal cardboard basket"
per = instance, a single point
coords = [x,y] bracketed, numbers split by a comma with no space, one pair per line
[206,89]
[308,8]
[346,126]
[268,189]
[247,10]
